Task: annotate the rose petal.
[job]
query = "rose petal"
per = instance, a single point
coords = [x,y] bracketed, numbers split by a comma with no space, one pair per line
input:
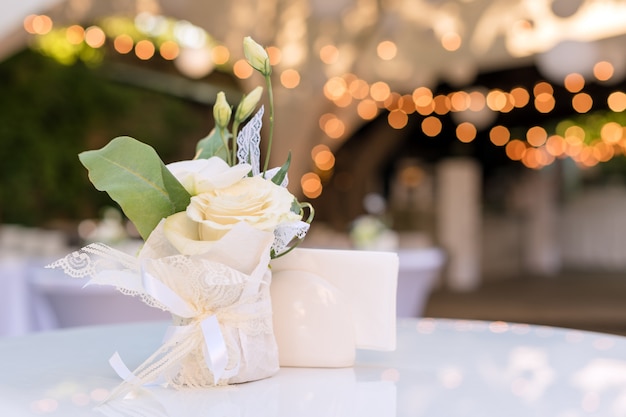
[203,175]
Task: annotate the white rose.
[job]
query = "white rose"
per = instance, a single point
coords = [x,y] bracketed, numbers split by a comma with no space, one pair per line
[203,175]
[257,202]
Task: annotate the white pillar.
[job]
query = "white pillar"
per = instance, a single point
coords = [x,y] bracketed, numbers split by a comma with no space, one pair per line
[459,214]
[540,237]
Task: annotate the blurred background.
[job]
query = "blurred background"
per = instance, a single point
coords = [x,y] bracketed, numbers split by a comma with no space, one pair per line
[483,140]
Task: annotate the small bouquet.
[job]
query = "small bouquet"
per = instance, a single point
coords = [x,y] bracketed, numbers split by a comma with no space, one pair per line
[211,225]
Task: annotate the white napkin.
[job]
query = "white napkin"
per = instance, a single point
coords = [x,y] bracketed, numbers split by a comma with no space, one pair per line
[368,280]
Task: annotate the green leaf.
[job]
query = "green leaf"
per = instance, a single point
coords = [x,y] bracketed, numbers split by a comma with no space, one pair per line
[212,145]
[134,176]
[282,172]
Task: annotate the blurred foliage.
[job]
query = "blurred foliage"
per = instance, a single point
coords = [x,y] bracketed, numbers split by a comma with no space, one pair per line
[50,112]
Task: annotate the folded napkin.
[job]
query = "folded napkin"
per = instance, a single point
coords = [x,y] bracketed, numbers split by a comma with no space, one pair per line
[367,281]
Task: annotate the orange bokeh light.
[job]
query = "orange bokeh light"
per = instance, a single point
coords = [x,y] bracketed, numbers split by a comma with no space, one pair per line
[431,126]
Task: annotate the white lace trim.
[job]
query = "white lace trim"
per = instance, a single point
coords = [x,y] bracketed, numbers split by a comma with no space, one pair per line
[249,141]
[286,233]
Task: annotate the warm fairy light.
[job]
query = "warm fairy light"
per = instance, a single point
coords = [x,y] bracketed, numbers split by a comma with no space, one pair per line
[329,54]
[75,34]
[442,104]
[555,145]
[94,36]
[478,101]
[544,102]
[344,101]
[587,157]
[603,71]
[38,24]
[542,87]
[582,102]
[545,158]
[380,91]
[386,50]
[28,24]
[499,135]
[275,55]
[575,134]
[406,104]
[574,82]
[317,149]
[242,69]
[334,128]
[169,50]
[220,55]
[324,118]
[334,88]
[521,97]
[290,78]
[611,133]
[123,44]
[496,100]
[451,41]
[536,136]
[460,101]
[367,109]
[311,185]
[427,109]
[323,157]
[144,49]
[397,119]
[573,147]
[603,152]
[422,97]
[391,102]
[617,101]
[359,89]
[531,158]
[466,132]
[431,126]
[515,149]
[509,103]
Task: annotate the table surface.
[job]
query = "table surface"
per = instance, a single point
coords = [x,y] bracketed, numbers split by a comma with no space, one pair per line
[441,368]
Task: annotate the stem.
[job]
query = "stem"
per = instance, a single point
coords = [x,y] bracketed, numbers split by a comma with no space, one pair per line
[270,95]
[224,136]
[235,132]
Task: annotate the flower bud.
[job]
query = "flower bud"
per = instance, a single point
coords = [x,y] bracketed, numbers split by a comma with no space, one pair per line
[221,110]
[256,56]
[248,104]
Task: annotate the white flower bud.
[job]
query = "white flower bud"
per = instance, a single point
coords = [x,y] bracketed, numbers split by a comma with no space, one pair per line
[256,56]
[248,104]
[221,110]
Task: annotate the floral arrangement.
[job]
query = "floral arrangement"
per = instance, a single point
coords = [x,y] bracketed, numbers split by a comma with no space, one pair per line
[211,225]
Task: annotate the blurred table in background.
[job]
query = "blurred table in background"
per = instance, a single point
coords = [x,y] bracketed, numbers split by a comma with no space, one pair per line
[33,298]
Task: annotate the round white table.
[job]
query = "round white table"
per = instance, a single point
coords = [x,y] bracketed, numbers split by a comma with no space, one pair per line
[441,368]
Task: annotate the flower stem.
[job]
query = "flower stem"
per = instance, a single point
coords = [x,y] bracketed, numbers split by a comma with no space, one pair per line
[224,136]
[235,132]
[270,95]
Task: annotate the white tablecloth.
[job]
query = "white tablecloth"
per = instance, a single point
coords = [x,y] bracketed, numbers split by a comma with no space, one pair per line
[22,310]
[441,368]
